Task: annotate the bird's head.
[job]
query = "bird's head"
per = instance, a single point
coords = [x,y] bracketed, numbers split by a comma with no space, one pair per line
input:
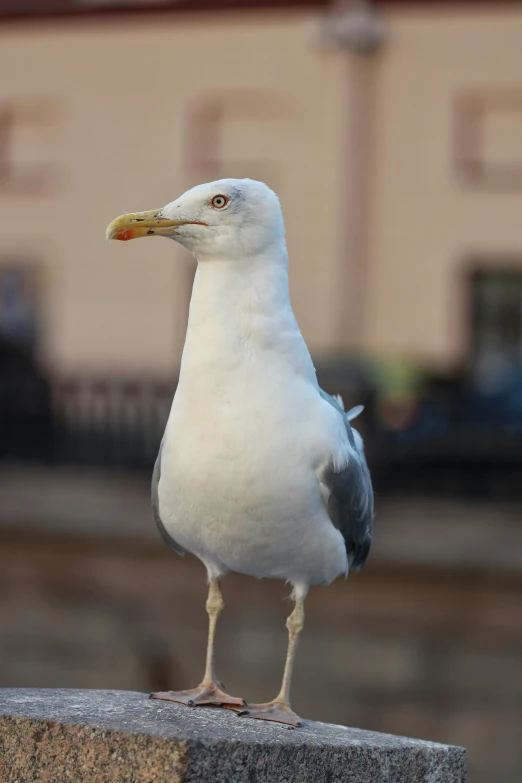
[226,219]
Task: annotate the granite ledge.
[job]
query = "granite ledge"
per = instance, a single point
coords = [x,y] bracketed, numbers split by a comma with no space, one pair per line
[123,737]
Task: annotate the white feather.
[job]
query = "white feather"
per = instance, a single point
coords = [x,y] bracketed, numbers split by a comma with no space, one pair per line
[354,412]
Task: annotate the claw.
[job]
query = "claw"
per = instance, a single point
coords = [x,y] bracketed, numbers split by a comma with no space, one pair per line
[277,712]
[203,696]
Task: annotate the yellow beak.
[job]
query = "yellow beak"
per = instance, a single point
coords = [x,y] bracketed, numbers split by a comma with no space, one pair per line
[142,224]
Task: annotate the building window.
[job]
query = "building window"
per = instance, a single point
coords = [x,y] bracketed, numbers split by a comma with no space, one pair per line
[18,307]
[496,325]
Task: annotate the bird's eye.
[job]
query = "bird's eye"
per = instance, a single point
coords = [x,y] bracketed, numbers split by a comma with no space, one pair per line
[218,202]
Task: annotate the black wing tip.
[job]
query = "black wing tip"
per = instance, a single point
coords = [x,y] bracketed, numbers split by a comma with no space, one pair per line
[358,555]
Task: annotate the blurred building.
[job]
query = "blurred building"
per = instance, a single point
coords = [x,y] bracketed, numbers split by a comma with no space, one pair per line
[393,135]
[408,153]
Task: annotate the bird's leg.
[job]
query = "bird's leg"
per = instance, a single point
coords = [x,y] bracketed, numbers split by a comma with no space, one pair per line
[208,693]
[279,709]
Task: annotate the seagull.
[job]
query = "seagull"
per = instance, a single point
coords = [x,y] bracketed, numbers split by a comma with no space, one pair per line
[259,470]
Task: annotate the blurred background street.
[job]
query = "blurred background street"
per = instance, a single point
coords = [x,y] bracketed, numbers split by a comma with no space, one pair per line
[392,133]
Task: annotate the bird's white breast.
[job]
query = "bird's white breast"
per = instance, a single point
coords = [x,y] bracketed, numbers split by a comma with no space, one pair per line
[246,434]
[239,488]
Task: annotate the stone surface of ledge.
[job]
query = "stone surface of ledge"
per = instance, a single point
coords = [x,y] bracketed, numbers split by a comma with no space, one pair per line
[123,737]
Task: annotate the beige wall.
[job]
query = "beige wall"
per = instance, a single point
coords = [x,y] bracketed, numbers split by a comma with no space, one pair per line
[120,135]
[427,221]
[120,141]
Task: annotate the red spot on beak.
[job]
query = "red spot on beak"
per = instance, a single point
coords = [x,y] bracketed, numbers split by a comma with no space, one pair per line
[123,234]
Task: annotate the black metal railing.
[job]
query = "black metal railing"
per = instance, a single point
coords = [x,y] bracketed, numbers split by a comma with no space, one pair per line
[110,421]
[456,442]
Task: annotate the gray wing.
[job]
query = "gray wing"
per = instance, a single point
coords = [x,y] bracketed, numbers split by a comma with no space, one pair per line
[350,502]
[156,474]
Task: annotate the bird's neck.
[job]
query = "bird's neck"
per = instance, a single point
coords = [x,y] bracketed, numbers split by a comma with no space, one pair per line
[241,311]
[257,284]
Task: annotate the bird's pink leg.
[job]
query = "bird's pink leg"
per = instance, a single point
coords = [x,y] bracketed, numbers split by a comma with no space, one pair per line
[208,693]
[279,709]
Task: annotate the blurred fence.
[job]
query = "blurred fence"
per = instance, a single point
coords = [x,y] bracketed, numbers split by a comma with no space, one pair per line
[446,438]
[110,421]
